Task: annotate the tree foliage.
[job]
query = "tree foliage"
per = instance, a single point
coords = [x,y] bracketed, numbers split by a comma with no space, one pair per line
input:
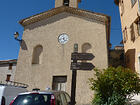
[114,86]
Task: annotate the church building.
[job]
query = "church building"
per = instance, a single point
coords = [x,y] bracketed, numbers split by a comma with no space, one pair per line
[47,43]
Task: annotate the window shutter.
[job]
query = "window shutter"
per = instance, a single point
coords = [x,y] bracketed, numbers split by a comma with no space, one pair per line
[132,32]
[139,28]
[124,36]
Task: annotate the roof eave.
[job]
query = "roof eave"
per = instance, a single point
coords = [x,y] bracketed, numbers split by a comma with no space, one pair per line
[52,12]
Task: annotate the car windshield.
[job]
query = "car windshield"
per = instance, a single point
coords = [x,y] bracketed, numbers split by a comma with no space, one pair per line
[33,99]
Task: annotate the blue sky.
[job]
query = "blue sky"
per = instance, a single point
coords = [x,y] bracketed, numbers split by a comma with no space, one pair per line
[11,11]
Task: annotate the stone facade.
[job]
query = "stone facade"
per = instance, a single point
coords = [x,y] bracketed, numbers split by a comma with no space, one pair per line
[129,14]
[42,57]
[116,56]
[7,70]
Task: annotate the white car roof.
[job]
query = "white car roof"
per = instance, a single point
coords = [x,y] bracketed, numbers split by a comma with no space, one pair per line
[39,92]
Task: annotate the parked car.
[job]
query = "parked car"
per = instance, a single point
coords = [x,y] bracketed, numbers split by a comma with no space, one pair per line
[9,90]
[37,97]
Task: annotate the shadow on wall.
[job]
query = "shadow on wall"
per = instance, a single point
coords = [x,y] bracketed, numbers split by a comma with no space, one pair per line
[23,45]
[130,59]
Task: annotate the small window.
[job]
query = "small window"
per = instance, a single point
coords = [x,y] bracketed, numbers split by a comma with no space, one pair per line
[133,2]
[135,30]
[8,77]
[37,54]
[86,48]
[10,66]
[66,2]
[59,83]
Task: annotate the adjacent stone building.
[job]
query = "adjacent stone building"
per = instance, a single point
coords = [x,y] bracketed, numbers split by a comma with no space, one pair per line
[7,70]
[48,41]
[130,21]
[116,57]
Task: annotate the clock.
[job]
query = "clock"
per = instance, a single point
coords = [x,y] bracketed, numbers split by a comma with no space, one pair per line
[63,38]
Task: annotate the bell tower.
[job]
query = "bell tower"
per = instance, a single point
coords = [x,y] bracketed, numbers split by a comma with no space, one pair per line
[70,3]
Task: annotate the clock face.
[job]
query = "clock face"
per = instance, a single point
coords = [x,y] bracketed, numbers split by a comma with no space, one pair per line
[63,38]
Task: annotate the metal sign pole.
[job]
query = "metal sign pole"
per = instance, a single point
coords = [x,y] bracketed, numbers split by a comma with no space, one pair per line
[75,56]
[74,75]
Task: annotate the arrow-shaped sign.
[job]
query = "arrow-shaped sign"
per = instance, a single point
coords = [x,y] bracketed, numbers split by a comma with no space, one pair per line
[82,56]
[81,66]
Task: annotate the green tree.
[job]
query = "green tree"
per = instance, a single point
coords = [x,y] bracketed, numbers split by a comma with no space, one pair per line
[114,86]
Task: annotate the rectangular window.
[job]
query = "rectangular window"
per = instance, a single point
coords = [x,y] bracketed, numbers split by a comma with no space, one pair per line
[10,66]
[135,30]
[59,83]
[8,77]
[132,32]
[66,2]
[133,2]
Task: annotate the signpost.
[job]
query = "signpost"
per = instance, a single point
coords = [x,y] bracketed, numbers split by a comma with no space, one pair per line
[82,56]
[74,75]
[81,66]
[78,66]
